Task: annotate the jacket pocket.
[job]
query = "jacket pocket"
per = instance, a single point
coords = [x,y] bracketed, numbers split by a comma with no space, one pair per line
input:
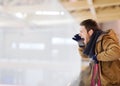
[109,72]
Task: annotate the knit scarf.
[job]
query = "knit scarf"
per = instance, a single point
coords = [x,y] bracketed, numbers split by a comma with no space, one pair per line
[90,47]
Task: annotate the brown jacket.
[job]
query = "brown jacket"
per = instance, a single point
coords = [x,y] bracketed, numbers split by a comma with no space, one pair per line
[108,54]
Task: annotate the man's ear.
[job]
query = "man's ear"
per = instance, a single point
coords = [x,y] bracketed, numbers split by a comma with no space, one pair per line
[90,32]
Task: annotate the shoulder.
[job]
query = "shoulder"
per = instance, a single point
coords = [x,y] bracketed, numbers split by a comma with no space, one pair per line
[108,39]
[108,35]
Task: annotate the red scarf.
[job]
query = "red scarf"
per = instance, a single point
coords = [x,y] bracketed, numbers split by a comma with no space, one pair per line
[96,76]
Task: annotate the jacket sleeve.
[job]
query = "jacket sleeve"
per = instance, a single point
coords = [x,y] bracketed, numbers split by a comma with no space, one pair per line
[111,50]
[84,57]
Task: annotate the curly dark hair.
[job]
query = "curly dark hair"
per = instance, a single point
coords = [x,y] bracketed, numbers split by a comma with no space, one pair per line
[90,24]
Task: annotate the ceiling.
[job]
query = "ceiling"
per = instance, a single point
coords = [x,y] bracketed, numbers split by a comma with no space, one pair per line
[100,10]
[21,13]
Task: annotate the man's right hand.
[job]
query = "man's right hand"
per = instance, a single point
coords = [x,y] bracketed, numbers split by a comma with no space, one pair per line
[77,37]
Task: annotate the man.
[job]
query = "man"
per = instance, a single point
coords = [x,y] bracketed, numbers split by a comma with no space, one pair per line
[104,51]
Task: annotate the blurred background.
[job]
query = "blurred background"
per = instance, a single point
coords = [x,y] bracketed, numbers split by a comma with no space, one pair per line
[36,46]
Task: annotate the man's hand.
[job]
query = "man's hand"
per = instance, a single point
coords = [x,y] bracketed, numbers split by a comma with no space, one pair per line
[77,37]
[95,59]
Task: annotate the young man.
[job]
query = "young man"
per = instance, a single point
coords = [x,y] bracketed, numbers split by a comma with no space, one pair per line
[104,51]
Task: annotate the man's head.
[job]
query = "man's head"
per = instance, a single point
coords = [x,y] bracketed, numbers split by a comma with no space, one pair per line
[87,28]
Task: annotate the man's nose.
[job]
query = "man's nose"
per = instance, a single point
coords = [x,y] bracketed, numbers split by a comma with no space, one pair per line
[80,34]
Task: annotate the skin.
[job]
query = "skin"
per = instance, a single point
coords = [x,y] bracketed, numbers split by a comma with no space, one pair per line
[84,34]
